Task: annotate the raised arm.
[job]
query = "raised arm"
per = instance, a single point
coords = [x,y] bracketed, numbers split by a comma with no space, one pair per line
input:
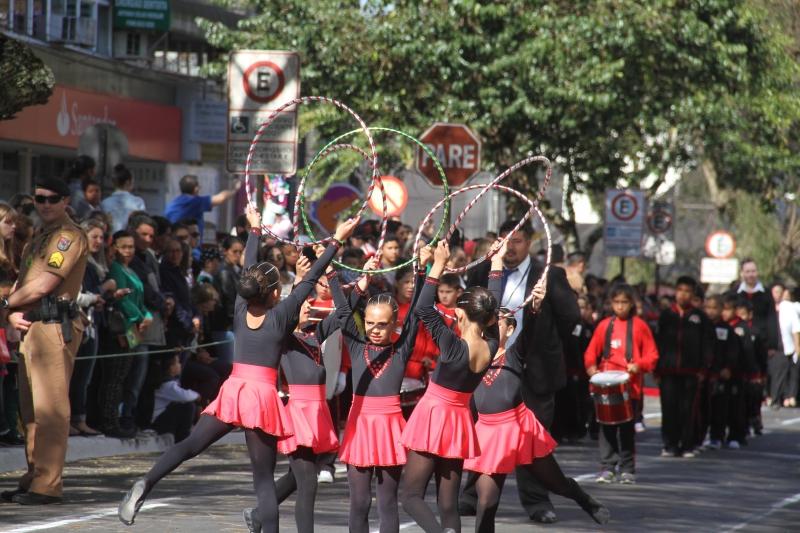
[342,316]
[253,239]
[443,336]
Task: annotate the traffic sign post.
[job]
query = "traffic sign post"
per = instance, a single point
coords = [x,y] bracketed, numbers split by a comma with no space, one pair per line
[259,82]
[624,222]
[720,244]
[396,197]
[458,150]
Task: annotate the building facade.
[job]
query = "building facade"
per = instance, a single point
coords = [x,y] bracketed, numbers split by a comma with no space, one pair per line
[129,88]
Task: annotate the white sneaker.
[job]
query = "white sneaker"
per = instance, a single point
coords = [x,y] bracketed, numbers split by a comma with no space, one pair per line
[734,445]
[324,476]
[713,445]
[689,454]
[639,427]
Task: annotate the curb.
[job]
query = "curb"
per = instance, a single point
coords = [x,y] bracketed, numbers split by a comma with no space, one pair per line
[79,448]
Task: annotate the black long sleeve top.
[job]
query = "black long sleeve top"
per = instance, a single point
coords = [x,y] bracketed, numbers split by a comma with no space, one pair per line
[367,359]
[263,346]
[452,368]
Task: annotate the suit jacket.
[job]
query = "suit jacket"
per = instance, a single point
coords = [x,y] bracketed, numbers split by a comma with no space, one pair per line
[544,333]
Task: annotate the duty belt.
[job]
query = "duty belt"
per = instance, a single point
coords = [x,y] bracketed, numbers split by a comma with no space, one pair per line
[54,310]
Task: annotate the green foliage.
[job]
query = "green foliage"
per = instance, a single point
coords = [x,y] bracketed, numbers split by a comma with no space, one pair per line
[26,79]
[610,89]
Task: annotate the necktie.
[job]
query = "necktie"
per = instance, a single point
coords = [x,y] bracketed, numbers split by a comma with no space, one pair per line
[506,273]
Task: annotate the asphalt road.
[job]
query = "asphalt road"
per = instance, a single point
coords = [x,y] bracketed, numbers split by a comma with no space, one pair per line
[755,489]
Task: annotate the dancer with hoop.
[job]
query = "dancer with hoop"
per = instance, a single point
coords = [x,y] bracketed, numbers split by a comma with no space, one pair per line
[371,443]
[440,433]
[509,433]
[314,431]
[248,398]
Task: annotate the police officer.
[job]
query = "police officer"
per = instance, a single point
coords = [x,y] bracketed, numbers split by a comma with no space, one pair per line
[42,306]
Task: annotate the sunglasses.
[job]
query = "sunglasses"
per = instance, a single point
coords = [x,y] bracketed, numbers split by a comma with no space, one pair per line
[48,199]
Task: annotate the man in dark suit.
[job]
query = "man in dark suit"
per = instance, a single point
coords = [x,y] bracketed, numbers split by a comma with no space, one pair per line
[540,338]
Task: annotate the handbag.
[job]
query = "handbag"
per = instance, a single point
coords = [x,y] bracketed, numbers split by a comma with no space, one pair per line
[115,321]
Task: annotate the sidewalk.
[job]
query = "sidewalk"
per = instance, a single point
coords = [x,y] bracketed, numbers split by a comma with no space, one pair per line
[13,458]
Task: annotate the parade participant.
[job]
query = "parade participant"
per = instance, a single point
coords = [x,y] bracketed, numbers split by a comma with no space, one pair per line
[749,375]
[371,443]
[621,342]
[726,395]
[314,431]
[440,433]
[249,397]
[42,306]
[423,360]
[509,433]
[684,343]
[752,341]
[542,336]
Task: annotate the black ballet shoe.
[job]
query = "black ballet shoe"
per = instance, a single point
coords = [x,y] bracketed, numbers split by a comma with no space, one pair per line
[544,516]
[132,502]
[596,510]
[253,524]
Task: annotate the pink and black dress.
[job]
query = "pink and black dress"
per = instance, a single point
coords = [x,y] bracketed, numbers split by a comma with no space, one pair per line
[441,423]
[375,423]
[508,432]
[249,397]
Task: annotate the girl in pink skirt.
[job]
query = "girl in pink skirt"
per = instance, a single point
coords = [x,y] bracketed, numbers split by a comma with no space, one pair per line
[249,397]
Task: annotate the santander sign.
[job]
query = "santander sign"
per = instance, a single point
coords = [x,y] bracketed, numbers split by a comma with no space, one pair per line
[70,121]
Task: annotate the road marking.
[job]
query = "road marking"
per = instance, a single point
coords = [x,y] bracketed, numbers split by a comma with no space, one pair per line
[790,421]
[786,502]
[41,526]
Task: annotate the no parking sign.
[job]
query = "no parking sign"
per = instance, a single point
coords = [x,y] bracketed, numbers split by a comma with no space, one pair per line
[624,224]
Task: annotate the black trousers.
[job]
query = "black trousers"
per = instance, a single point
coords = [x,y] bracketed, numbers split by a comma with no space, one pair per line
[727,407]
[780,368]
[618,445]
[572,409]
[679,407]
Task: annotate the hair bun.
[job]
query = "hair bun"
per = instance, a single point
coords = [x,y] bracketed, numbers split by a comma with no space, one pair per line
[248,286]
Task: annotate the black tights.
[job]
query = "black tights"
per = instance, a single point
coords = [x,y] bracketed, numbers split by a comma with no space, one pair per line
[302,476]
[419,468]
[489,488]
[262,448]
[359,481]
[547,472]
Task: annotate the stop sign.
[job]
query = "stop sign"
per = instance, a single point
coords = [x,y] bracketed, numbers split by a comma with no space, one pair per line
[457,149]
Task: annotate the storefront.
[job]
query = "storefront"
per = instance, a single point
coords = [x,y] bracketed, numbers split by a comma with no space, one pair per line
[43,139]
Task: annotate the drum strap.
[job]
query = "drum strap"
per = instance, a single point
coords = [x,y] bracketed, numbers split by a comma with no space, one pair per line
[628,340]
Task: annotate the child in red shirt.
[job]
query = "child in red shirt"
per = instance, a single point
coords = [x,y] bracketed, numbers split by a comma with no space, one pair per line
[621,342]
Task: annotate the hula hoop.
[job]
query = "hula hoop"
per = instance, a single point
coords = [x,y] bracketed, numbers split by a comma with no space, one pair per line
[493,250]
[268,122]
[300,200]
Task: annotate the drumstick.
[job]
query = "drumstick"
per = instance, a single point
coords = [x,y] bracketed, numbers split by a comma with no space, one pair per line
[314,319]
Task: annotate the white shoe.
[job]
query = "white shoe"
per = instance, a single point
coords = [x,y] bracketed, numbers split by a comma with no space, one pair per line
[734,445]
[639,427]
[713,445]
[324,476]
[689,454]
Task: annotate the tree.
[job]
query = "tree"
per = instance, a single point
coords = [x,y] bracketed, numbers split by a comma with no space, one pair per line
[615,91]
[26,79]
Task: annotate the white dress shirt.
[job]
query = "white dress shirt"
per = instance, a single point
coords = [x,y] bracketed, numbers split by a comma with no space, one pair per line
[514,294]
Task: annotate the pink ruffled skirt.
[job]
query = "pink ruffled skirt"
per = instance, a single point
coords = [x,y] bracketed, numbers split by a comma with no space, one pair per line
[372,433]
[249,399]
[311,419]
[441,424]
[507,439]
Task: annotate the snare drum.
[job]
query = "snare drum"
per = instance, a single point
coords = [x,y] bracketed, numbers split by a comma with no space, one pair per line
[611,393]
[411,391]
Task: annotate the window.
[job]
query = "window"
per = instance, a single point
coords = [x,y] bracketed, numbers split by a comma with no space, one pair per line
[134,45]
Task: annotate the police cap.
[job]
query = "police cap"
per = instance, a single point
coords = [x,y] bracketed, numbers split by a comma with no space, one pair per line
[57,185]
